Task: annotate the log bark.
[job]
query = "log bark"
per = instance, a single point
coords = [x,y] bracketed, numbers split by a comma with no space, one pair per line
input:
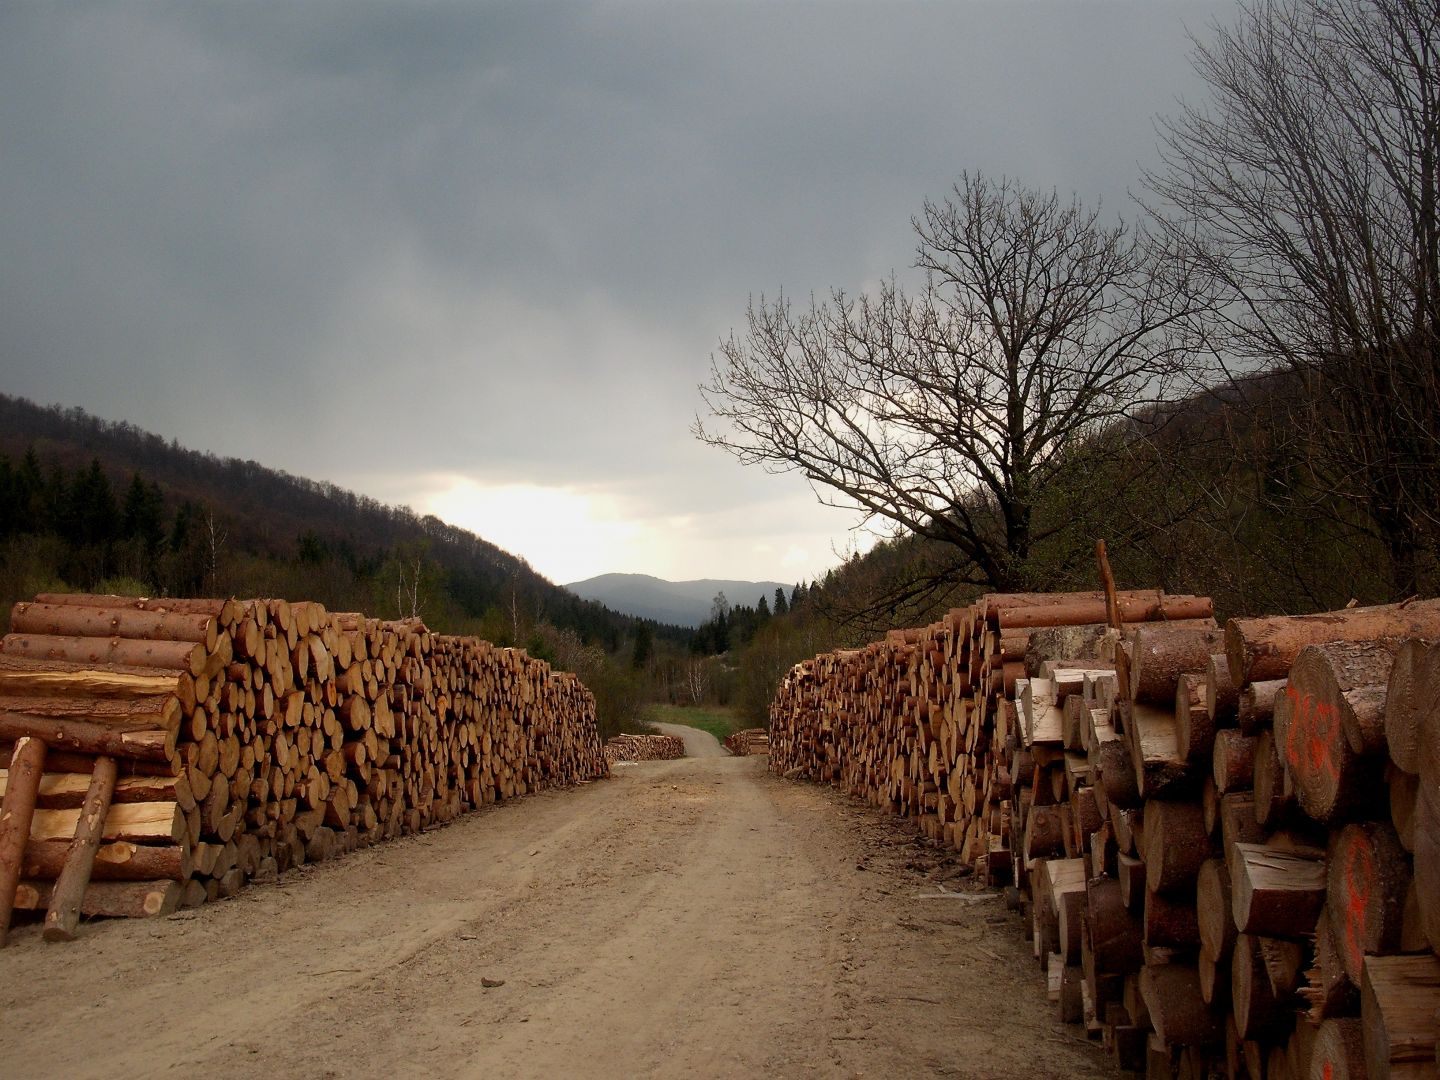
[135,714]
[1265,648]
[121,860]
[20,677]
[63,913]
[17,811]
[1015,611]
[165,655]
[69,620]
[86,738]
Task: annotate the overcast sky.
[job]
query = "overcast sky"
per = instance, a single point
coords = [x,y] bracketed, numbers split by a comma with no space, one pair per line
[475,257]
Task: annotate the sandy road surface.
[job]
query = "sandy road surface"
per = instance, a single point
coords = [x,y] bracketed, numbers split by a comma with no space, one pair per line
[693,918]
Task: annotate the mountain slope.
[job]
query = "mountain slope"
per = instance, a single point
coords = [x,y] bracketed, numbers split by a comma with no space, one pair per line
[682,603]
[280,534]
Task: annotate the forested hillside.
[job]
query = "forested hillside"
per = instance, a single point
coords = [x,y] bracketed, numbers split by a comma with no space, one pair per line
[92,505]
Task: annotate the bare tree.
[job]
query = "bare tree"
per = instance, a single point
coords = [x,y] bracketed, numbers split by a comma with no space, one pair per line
[1307,188]
[697,679]
[949,412]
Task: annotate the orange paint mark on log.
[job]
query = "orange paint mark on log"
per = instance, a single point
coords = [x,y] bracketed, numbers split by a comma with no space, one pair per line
[1359,878]
[1312,740]
[1329,1070]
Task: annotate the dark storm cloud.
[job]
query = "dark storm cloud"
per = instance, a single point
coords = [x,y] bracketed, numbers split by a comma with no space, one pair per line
[351,238]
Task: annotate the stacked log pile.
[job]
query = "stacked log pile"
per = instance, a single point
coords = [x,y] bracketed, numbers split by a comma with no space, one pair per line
[163,752]
[1226,844]
[626,747]
[749,741]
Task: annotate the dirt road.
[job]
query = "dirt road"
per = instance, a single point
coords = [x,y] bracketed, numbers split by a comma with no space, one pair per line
[694,918]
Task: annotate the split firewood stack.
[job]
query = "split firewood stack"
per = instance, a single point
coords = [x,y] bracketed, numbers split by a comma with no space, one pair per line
[1226,843]
[161,753]
[749,741]
[625,747]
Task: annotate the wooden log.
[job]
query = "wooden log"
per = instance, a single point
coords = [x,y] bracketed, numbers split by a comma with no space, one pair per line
[1177,1008]
[1398,1002]
[1233,761]
[1021,610]
[63,913]
[1427,860]
[121,860]
[1339,1052]
[141,822]
[1328,991]
[133,714]
[1260,1010]
[1275,892]
[67,620]
[1273,802]
[1213,909]
[1348,678]
[80,737]
[1264,648]
[1162,653]
[20,677]
[1222,696]
[166,655]
[1170,922]
[1410,700]
[1175,846]
[1155,752]
[1367,881]
[17,811]
[117,899]
[1257,704]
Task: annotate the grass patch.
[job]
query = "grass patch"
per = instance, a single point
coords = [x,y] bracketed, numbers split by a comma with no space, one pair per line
[718,721]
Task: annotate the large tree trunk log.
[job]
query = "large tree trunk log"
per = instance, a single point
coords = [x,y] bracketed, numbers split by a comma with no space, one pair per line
[1161,654]
[1276,893]
[1233,761]
[166,655]
[64,911]
[1332,782]
[1410,698]
[1349,678]
[1177,1008]
[1368,878]
[87,738]
[17,811]
[1265,648]
[141,822]
[121,860]
[136,714]
[22,677]
[68,620]
[116,899]
[1175,844]
[1074,610]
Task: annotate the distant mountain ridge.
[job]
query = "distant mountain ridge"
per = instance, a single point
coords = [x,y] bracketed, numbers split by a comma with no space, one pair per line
[680,603]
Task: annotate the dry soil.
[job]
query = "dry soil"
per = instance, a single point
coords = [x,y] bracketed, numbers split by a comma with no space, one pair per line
[692,918]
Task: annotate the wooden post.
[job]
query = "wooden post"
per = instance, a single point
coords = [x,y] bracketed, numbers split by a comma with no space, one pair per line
[27,764]
[64,913]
